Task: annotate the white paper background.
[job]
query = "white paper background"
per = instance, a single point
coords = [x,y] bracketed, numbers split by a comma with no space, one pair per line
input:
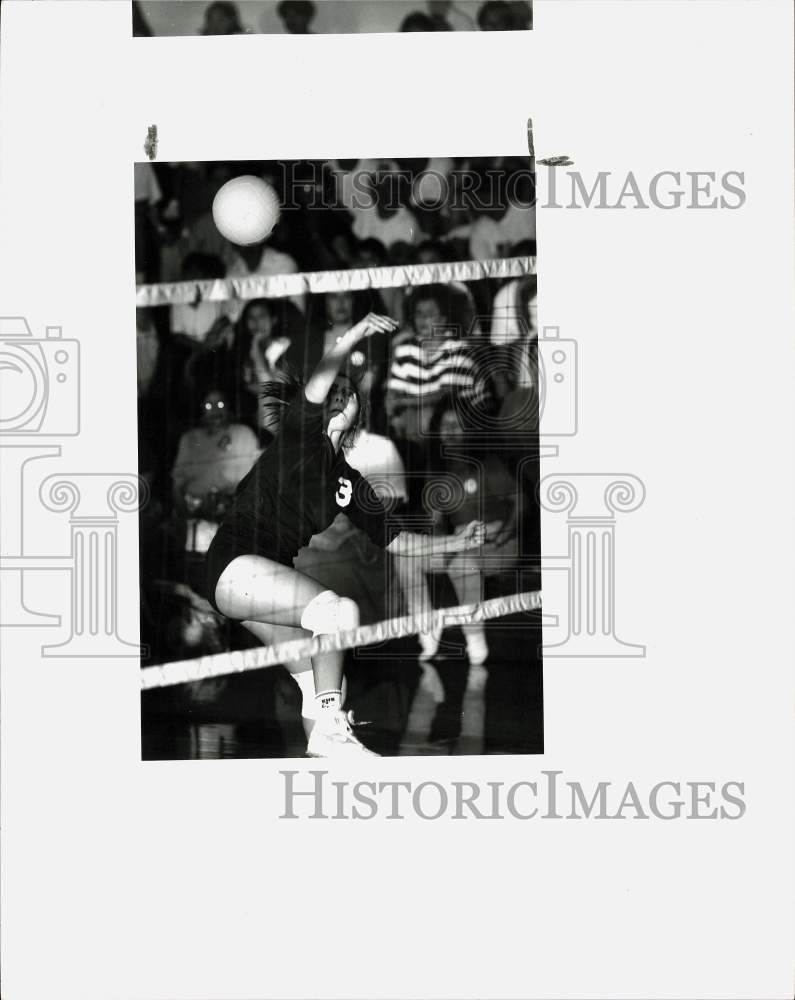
[124,879]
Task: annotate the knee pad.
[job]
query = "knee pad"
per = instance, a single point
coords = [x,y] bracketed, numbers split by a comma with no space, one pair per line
[329,613]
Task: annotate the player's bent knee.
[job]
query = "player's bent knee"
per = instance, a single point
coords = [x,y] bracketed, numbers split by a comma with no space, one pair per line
[328,612]
[347,613]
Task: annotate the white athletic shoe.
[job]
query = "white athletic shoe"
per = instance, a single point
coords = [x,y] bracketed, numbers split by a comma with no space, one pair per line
[332,736]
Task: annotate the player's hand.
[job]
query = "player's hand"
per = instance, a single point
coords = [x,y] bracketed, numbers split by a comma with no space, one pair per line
[372,323]
[472,537]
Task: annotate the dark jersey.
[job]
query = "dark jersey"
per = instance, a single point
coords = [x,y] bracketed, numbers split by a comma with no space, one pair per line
[294,491]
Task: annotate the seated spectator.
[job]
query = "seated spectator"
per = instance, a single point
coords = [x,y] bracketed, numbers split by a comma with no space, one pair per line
[428,361]
[461,303]
[496,15]
[239,359]
[211,460]
[296,16]
[221,18]
[262,344]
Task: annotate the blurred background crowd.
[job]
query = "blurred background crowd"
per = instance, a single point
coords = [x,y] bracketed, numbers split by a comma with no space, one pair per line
[450,433]
[303,17]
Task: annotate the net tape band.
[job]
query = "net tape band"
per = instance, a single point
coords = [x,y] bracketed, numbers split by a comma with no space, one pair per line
[280,286]
[241,661]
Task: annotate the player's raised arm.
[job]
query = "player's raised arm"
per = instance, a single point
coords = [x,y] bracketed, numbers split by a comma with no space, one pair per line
[322,378]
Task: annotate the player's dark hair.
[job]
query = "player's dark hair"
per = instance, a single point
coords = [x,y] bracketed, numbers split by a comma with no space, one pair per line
[280,392]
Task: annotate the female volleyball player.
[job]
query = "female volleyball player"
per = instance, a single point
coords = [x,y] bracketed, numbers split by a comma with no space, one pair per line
[295,490]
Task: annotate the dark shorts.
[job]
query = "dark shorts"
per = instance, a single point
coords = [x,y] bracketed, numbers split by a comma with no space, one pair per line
[227,545]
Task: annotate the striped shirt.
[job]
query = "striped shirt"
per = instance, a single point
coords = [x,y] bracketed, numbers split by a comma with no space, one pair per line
[422,372]
[434,366]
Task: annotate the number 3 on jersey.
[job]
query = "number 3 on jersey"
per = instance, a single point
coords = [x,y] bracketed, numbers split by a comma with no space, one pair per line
[343,494]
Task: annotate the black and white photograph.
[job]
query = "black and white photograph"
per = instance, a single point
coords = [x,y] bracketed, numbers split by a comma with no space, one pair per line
[396,491]
[338,408]
[307,17]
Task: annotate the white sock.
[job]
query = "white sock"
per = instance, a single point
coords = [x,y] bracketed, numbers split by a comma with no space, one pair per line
[306,684]
[329,701]
[477,649]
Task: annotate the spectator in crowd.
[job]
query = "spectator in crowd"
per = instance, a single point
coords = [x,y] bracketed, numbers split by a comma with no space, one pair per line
[221,18]
[212,458]
[427,361]
[240,358]
[296,16]
[496,15]
[265,345]
[461,303]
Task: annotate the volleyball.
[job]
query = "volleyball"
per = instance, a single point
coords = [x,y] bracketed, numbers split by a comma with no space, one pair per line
[245,210]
